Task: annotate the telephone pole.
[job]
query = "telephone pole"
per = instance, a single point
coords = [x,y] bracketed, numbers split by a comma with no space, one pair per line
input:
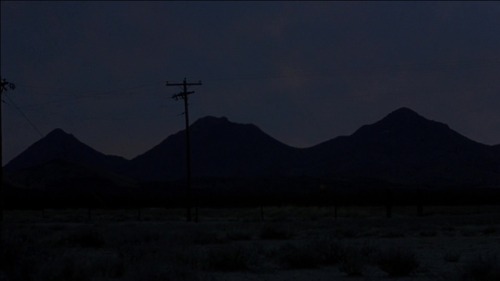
[3,88]
[184,96]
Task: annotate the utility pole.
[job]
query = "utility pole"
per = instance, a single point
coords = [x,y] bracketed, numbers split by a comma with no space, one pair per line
[3,88]
[184,96]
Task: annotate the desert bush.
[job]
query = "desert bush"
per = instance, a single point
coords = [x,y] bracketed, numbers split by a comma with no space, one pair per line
[84,238]
[275,232]
[298,256]
[325,251]
[482,268]
[491,230]
[392,234]
[205,238]
[354,259]
[18,258]
[346,233]
[428,233]
[452,256]
[62,269]
[368,251]
[154,270]
[397,262]
[353,262]
[330,250]
[226,258]
[81,265]
[468,233]
[236,235]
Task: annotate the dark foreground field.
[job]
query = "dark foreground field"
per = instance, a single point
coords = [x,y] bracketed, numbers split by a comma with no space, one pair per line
[291,243]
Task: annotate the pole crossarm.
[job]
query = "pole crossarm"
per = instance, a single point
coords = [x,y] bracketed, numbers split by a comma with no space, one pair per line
[184,83]
[5,84]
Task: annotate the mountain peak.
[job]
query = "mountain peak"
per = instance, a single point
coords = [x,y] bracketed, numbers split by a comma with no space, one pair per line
[405,118]
[59,145]
[403,121]
[404,113]
[219,148]
[58,133]
[211,120]
[58,138]
[215,124]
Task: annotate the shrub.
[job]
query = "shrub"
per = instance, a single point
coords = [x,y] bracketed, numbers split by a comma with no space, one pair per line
[491,230]
[295,256]
[482,268]
[84,239]
[18,258]
[227,258]
[397,262]
[63,268]
[330,250]
[82,264]
[239,235]
[346,233]
[273,232]
[205,238]
[353,262]
[428,233]
[452,256]
[157,270]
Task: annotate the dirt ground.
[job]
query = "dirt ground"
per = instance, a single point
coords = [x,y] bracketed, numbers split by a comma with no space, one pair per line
[290,243]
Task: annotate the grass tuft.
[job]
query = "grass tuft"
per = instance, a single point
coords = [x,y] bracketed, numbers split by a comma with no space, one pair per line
[397,262]
[84,238]
[452,256]
[227,258]
[275,232]
[298,256]
[482,268]
[353,263]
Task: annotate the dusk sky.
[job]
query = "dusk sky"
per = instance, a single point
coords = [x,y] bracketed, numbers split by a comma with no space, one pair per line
[304,72]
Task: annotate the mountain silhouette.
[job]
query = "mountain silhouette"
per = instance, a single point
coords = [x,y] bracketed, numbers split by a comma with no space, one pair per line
[59,145]
[402,148]
[60,174]
[405,147]
[220,148]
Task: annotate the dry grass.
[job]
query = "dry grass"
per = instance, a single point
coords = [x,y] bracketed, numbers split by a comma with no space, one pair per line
[162,248]
[397,262]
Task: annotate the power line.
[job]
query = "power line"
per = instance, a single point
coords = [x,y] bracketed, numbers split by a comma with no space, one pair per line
[101,94]
[13,104]
[375,67]
[357,69]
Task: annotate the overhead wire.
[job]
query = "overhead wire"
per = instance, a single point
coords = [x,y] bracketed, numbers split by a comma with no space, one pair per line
[375,67]
[13,104]
[356,69]
[360,69]
[90,95]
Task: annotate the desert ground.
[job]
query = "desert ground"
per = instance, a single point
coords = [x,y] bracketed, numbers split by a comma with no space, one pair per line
[287,243]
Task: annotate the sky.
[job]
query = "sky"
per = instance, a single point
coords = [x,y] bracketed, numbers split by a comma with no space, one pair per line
[303,72]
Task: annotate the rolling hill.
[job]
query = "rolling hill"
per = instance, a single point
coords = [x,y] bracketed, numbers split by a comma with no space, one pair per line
[402,148]
[407,148]
[59,145]
[220,148]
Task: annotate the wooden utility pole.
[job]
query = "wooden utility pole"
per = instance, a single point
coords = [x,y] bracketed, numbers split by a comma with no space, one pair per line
[3,87]
[184,96]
